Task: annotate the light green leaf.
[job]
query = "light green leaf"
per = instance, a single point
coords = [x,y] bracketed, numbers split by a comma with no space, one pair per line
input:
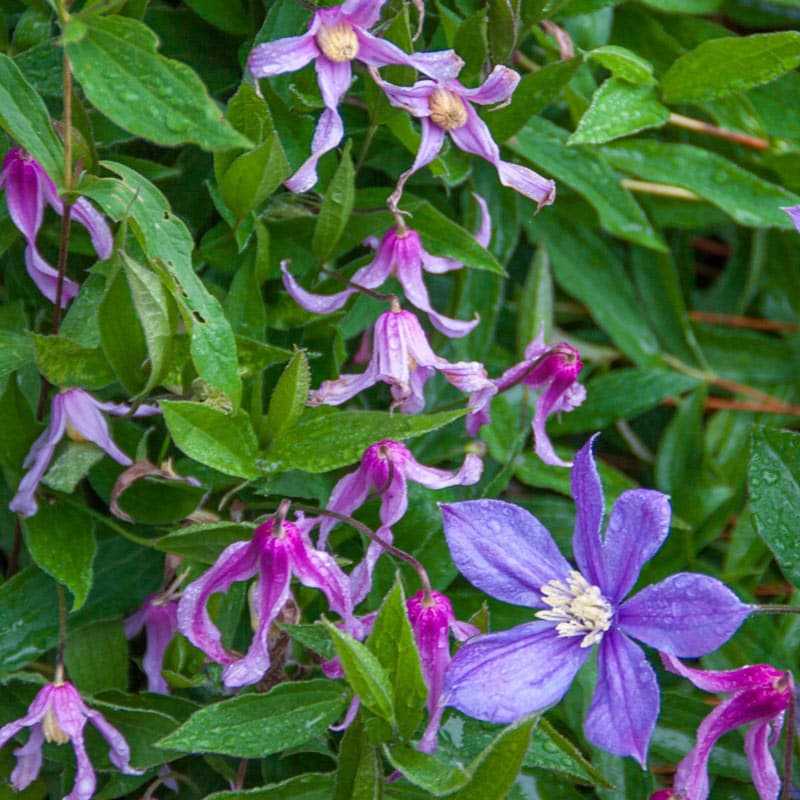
[430,774]
[204,542]
[16,351]
[359,775]
[311,786]
[623,63]
[287,403]
[65,363]
[71,465]
[337,205]
[536,301]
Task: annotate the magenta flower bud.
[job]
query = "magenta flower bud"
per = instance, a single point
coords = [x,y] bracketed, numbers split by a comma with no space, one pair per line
[58,714]
[445,107]
[275,553]
[759,697]
[159,618]
[28,190]
[76,413]
[336,37]
[403,358]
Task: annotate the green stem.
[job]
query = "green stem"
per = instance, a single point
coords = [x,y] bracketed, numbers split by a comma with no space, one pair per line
[768,608]
[132,537]
[62,633]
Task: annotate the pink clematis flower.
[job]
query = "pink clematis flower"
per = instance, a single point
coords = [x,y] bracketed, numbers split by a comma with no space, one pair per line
[159,617]
[403,358]
[28,190]
[759,697]
[445,106]
[276,552]
[385,469]
[76,413]
[336,37]
[552,370]
[57,714]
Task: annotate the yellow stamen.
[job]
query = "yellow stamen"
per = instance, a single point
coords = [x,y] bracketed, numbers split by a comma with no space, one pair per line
[338,42]
[447,109]
[52,733]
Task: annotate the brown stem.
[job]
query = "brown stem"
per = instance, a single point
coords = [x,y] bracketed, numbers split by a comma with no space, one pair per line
[62,633]
[13,560]
[788,745]
[736,321]
[660,189]
[689,123]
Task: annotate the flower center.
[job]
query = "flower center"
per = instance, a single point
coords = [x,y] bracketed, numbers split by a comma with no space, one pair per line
[73,433]
[579,608]
[50,729]
[447,109]
[338,42]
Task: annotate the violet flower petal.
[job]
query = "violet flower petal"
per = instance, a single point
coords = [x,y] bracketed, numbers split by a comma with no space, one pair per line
[502,550]
[361,576]
[432,478]
[119,752]
[546,403]
[686,615]
[336,392]
[328,133]
[762,766]
[34,715]
[349,494]
[719,681]
[46,277]
[444,65]
[25,194]
[490,677]
[527,182]
[364,13]
[588,493]
[484,233]
[282,55]
[29,759]
[497,88]
[315,303]
[625,705]
[85,417]
[94,222]
[430,146]
[161,626]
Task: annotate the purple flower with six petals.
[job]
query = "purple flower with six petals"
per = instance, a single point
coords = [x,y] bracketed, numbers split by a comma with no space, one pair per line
[760,694]
[58,714]
[159,617]
[28,190]
[336,36]
[76,413]
[506,552]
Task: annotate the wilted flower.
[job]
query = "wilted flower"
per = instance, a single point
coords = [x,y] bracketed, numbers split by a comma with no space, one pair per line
[159,618]
[554,371]
[445,106]
[278,550]
[504,551]
[399,252]
[57,714]
[760,694]
[402,357]
[76,413]
[28,190]
[336,36]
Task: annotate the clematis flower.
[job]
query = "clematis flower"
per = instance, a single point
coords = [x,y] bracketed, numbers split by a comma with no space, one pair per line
[402,357]
[400,252]
[385,469]
[506,552]
[336,37]
[57,714]
[760,695]
[159,618]
[445,106]
[276,552]
[28,190]
[76,413]
[553,371]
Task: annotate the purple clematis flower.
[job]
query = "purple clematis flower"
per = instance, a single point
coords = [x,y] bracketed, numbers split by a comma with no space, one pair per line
[385,468]
[76,413]
[400,252]
[275,553]
[402,357]
[445,106]
[159,617]
[760,694]
[553,371]
[336,37]
[507,553]
[57,714]
[28,190]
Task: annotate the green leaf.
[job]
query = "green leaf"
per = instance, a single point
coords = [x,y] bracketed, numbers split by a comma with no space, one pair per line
[730,65]
[337,205]
[65,363]
[315,637]
[25,117]
[750,200]
[774,481]
[204,542]
[255,357]
[168,244]
[392,641]
[311,786]
[227,15]
[254,726]
[115,60]
[97,657]
[502,30]
[308,446]
[288,399]
[435,777]
[680,453]
[545,146]
[360,772]
[619,109]
[16,352]
[365,674]
[536,301]
[60,539]
[623,63]
[224,441]
[71,465]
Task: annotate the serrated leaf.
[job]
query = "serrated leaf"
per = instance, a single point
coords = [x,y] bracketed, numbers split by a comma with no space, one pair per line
[115,61]
[337,205]
[423,770]
[311,786]
[66,363]
[623,63]
[315,637]
[288,399]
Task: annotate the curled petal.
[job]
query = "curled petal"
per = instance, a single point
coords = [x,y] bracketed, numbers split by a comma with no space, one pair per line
[528,183]
[413,99]
[433,478]
[85,779]
[94,222]
[732,680]
[430,146]
[336,392]
[119,753]
[443,65]
[24,181]
[762,766]
[484,233]
[327,135]
[497,88]
[46,278]
[315,303]
[161,627]
[36,712]
[85,417]
[29,760]
[547,402]
[282,55]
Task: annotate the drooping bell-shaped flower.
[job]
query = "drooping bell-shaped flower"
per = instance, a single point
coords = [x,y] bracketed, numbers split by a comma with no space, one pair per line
[399,252]
[336,37]
[403,358]
[759,697]
[58,714]
[444,106]
[278,550]
[76,413]
[159,618]
[28,190]
[551,370]
[506,552]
